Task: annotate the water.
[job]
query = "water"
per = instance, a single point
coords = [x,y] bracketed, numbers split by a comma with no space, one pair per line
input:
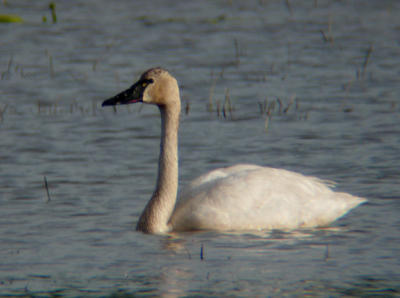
[343,125]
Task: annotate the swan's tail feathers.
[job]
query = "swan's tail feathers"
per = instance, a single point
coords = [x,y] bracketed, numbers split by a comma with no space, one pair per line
[341,204]
[352,201]
[349,202]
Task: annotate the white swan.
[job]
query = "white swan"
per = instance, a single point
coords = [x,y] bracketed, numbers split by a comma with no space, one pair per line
[241,197]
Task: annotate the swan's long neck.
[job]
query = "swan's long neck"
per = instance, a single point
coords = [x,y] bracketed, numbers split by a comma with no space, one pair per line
[155,216]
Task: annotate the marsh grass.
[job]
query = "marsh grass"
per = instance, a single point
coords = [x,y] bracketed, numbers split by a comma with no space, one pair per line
[360,77]
[262,106]
[51,66]
[271,108]
[240,51]
[367,57]
[289,7]
[46,186]
[187,107]
[7,73]
[227,107]
[327,36]
[280,104]
[237,52]
[10,18]
[267,109]
[361,71]
[291,101]
[210,104]
[224,110]
[57,109]
[2,111]
[52,7]
[222,107]
[152,20]
[17,69]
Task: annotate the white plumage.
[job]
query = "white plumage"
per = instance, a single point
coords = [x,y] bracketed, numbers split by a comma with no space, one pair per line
[247,197]
[240,197]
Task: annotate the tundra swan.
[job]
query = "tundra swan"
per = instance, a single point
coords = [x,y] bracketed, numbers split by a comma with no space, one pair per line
[240,197]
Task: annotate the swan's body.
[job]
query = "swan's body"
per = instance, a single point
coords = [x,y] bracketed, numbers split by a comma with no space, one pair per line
[248,197]
[241,197]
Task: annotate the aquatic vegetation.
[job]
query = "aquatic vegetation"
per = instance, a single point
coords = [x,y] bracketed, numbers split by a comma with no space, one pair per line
[10,18]
[151,20]
[46,186]
[52,7]
[327,36]
[2,111]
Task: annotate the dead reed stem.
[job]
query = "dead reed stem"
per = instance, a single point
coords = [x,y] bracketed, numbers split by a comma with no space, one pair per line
[280,105]
[271,109]
[210,99]
[187,107]
[289,7]
[266,124]
[291,101]
[366,60]
[52,7]
[46,186]
[263,106]
[227,104]
[237,52]
[2,111]
[328,37]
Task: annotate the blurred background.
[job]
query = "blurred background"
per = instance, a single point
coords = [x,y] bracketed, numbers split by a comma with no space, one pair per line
[310,86]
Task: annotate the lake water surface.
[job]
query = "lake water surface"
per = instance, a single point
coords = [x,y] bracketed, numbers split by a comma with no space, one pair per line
[310,86]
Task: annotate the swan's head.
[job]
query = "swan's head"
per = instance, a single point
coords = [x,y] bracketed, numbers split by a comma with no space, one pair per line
[155,86]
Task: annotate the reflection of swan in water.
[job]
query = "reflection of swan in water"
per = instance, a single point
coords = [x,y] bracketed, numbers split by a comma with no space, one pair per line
[241,197]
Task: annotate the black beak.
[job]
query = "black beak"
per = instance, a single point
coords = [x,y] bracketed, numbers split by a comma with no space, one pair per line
[132,95]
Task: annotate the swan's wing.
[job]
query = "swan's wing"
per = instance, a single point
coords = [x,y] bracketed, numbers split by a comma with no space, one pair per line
[215,175]
[253,197]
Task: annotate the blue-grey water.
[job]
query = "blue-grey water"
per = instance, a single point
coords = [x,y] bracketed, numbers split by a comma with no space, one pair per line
[310,86]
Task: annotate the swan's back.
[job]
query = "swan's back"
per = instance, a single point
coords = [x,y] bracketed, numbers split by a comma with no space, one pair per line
[248,197]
